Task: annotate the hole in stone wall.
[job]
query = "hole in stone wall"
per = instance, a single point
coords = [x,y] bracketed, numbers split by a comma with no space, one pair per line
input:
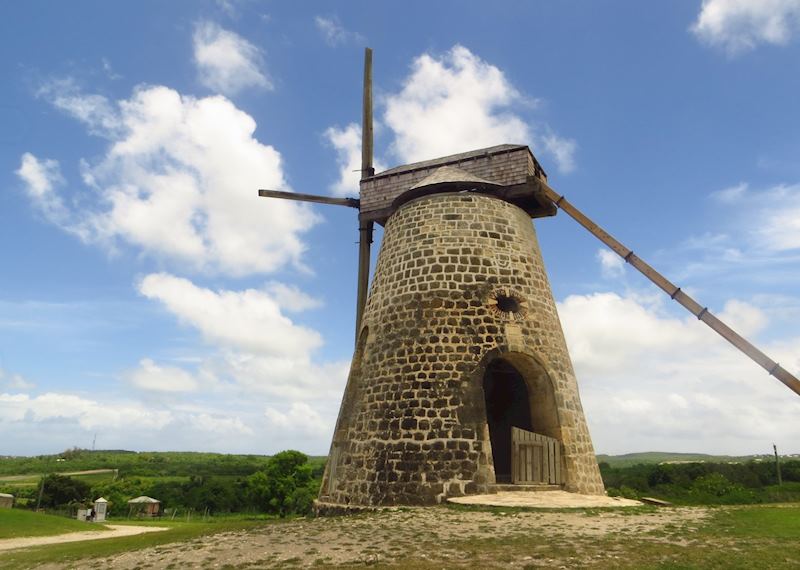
[508,304]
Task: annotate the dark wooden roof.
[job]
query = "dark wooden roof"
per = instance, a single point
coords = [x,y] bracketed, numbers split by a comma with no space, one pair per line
[508,166]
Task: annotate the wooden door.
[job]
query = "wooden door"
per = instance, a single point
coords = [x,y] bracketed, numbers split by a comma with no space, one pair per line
[535,458]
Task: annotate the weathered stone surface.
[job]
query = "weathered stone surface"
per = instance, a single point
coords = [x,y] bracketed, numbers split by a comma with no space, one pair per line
[413,423]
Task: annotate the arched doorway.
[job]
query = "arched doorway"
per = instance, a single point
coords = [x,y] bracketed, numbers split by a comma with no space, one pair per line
[507,405]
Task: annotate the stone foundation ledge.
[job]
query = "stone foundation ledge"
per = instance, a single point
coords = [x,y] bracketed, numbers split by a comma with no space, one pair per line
[547,500]
[325,509]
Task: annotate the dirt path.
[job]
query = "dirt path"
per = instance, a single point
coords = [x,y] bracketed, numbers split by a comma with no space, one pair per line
[115,532]
[7,478]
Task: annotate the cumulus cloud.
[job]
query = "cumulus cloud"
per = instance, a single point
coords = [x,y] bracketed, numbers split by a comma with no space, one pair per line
[41,178]
[611,264]
[249,320]
[259,349]
[334,33]
[88,414]
[737,26]
[226,62]
[450,104]
[562,150]
[220,425]
[150,376]
[299,415]
[772,216]
[54,421]
[94,110]
[457,102]
[178,180]
[11,381]
[650,380]
[347,142]
[292,299]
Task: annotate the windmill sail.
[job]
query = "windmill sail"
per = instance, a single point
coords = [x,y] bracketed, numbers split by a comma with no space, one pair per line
[675,292]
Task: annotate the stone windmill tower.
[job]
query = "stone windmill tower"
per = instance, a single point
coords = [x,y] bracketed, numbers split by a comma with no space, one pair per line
[461,382]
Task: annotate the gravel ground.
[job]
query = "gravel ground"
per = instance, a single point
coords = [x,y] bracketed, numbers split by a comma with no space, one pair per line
[436,537]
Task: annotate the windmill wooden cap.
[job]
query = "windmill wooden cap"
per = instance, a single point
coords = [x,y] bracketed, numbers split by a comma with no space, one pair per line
[445,179]
[453,176]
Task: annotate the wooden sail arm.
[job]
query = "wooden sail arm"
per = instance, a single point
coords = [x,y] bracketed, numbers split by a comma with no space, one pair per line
[675,292]
[349,202]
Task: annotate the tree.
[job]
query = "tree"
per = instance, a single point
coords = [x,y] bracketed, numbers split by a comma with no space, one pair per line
[60,490]
[285,486]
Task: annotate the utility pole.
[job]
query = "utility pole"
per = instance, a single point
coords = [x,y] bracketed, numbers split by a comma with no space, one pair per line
[777,464]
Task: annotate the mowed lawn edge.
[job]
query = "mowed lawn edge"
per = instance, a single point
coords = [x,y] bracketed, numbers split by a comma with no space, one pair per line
[177,531]
[19,523]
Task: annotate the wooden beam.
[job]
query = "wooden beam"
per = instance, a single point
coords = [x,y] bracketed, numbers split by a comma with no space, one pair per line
[364,242]
[365,227]
[675,292]
[366,119]
[349,202]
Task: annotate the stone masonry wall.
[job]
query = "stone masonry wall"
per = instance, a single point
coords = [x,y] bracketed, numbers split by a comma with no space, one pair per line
[412,428]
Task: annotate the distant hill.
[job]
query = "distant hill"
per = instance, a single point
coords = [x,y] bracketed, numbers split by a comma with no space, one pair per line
[149,463]
[649,457]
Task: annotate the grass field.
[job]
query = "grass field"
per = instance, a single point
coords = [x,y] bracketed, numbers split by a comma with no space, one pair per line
[441,537]
[67,554]
[18,523]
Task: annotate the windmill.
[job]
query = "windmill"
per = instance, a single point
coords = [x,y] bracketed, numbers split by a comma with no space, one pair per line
[461,382]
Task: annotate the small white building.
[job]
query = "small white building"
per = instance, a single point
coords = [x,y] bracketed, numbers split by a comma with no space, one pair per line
[6,501]
[100,509]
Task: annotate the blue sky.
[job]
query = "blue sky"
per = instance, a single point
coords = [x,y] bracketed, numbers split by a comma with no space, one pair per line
[149,297]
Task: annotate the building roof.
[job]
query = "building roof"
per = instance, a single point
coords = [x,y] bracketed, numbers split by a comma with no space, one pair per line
[450,159]
[6,496]
[100,500]
[143,499]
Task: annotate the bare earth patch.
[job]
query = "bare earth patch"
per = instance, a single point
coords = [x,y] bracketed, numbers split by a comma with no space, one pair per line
[115,532]
[419,538]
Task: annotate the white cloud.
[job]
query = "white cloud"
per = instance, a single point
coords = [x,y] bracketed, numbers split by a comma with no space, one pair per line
[562,150]
[732,194]
[458,102]
[14,381]
[650,380]
[226,62]
[88,414]
[220,425]
[334,33]
[258,349]
[94,110]
[451,104]
[347,142]
[611,264]
[738,26]
[41,177]
[299,416]
[771,219]
[247,320]
[179,180]
[54,421]
[150,376]
[292,299]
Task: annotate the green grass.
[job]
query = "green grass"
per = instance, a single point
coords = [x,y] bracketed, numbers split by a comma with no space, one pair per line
[18,523]
[93,550]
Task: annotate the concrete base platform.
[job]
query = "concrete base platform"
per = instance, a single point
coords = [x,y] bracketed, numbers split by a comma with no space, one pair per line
[548,500]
